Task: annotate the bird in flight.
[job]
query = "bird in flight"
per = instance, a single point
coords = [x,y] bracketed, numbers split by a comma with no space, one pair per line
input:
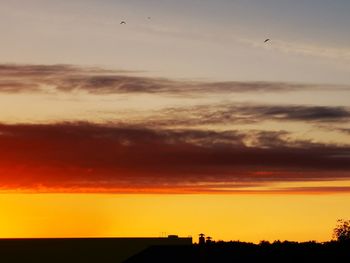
[267,40]
[123,23]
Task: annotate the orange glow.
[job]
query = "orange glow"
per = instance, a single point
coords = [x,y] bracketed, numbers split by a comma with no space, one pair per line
[227,217]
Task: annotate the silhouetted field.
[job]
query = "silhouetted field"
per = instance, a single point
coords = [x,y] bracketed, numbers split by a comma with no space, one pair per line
[164,250]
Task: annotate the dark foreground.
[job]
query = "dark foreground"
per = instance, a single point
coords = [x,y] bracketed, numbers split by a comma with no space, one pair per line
[243,252]
[80,249]
[165,250]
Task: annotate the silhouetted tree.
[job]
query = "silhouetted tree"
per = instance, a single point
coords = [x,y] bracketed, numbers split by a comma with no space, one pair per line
[342,231]
[264,243]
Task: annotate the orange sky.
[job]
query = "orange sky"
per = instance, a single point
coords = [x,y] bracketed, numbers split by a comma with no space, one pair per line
[227,217]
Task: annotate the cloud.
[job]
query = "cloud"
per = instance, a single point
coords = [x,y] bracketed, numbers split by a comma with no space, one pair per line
[42,78]
[226,114]
[103,158]
[69,78]
[303,113]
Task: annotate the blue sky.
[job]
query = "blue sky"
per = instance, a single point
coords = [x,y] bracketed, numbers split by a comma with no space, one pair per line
[215,40]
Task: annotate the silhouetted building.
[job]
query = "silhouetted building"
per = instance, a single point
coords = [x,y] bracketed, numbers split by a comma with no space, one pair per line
[201,239]
[209,240]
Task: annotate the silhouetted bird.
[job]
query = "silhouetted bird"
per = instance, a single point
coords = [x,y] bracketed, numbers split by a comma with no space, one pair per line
[267,40]
[123,23]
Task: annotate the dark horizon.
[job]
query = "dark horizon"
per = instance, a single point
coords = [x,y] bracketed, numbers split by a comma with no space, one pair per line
[173,248]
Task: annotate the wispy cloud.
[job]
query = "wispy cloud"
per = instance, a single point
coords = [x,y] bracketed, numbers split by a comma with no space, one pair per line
[228,114]
[69,78]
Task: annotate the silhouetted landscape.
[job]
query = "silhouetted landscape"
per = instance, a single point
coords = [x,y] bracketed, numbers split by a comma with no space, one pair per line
[171,249]
[248,252]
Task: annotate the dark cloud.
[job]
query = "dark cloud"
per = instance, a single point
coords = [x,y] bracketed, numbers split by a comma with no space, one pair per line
[68,78]
[23,70]
[14,70]
[245,114]
[303,113]
[131,159]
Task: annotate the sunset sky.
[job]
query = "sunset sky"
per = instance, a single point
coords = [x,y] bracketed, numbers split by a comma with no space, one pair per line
[180,121]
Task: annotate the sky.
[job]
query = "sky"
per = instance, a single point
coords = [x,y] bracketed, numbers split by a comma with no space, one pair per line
[184,115]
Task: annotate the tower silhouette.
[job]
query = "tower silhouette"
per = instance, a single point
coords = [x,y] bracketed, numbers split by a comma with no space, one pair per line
[201,239]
